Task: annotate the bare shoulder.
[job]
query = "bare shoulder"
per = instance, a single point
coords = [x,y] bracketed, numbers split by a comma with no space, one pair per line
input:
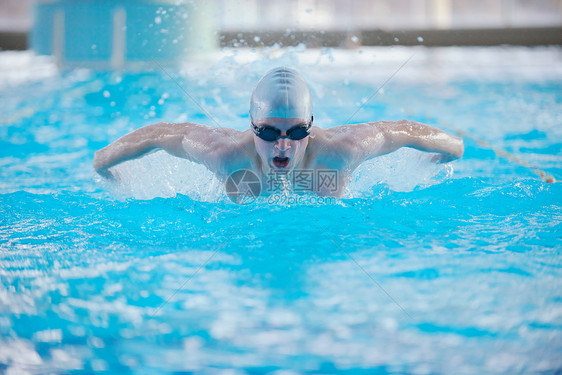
[210,136]
[215,147]
[192,128]
[326,148]
[343,145]
[232,150]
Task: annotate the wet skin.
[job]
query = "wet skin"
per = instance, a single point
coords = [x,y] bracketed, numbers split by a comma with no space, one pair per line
[284,153]
[224,150]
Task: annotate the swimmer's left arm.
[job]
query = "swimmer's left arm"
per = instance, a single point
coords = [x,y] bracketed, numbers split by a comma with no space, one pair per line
[369,140]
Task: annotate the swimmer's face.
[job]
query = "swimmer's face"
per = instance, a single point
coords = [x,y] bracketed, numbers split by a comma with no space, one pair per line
[283,153]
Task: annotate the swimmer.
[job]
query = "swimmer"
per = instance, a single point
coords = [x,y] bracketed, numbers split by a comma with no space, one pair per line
[281,140]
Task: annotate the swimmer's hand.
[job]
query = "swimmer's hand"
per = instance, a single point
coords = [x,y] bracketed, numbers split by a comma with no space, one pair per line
[108,175]
[442,158]
[102,170]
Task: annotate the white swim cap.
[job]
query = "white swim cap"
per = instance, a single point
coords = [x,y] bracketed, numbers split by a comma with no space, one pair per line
[281,93]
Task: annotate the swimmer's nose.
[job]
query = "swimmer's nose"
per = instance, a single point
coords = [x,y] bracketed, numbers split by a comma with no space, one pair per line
[283,144]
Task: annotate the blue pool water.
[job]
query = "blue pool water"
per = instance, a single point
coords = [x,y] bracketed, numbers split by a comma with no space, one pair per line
[421,269]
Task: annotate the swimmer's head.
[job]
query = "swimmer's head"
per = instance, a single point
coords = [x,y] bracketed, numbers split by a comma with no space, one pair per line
[281,93]
[281,118]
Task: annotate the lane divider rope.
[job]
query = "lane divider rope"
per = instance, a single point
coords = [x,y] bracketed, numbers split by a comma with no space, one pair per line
[545,176]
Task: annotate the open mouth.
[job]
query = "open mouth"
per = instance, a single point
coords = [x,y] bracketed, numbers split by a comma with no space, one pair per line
[280,162]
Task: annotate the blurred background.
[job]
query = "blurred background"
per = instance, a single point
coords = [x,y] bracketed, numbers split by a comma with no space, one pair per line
[116,33]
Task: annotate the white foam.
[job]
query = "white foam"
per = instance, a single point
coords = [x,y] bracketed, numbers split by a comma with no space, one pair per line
[162,175]
[403,170]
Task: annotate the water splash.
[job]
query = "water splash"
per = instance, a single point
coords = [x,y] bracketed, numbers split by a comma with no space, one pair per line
[162,175]
[403,170]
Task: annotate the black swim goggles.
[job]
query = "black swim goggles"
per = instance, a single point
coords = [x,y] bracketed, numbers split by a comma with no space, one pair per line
[272,134]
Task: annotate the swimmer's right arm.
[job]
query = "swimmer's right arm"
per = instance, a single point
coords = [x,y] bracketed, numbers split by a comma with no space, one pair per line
[189,141]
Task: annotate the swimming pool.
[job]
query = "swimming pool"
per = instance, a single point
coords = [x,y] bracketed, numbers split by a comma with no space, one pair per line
[420,269]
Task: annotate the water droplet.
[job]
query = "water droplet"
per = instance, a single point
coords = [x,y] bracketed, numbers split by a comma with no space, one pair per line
[106,94]
[420,39]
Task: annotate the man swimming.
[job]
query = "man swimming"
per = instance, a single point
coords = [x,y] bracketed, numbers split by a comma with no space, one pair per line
[281,140]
